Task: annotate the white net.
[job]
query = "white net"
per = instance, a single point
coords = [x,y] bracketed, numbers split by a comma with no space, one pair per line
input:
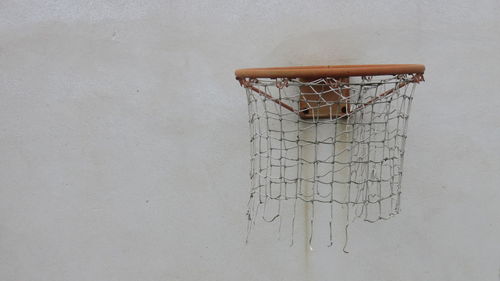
[328,143]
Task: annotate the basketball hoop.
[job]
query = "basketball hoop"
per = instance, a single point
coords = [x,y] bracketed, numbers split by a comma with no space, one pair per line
[327,136]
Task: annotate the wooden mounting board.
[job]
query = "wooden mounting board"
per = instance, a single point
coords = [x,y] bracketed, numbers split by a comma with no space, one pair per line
[314,105]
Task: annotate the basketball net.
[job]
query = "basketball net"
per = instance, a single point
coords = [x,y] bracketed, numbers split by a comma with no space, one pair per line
[346,162]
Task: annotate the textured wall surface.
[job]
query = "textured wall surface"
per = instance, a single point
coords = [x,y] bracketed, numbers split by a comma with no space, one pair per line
[124,138]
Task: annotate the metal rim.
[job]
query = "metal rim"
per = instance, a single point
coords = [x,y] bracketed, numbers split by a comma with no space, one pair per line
[337,71]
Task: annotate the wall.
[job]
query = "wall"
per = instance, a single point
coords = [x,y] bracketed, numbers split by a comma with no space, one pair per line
[124,139]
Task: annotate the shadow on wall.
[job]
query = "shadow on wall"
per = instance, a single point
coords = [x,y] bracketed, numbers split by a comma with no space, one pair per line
[357,45]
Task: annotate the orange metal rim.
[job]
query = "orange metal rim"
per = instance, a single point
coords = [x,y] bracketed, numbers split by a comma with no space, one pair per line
[337,71]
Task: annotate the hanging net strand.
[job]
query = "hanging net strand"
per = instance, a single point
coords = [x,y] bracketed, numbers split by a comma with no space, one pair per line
[327,142]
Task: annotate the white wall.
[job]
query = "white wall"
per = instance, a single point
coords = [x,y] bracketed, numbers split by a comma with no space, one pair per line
[124,139]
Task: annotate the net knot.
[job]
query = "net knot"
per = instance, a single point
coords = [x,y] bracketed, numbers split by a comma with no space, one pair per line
[247,83]
[280,84]
[418,78]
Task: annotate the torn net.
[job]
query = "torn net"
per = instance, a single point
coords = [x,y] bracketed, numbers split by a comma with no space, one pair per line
[330,144]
